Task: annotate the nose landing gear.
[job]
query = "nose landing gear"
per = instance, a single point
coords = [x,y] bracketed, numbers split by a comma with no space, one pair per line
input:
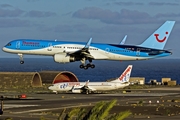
[21,58]
[22,62]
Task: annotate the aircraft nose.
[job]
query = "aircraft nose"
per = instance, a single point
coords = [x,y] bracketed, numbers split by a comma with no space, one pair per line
[50,87]
[4,49]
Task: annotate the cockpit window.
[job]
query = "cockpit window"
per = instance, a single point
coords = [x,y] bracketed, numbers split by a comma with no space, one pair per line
[9,44]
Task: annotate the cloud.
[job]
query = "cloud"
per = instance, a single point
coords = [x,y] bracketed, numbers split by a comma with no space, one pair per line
[11,13]
[32,0]
[35,13]
[63,28]
[7,10]
[43,28]
[81,27]
[163,3]
[14,23]
[128,3]
[123,17]
[68,13]
[169,15]
[5,5]
[71,28]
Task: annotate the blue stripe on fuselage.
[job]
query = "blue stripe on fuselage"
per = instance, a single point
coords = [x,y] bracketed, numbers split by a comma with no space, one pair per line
[128,50]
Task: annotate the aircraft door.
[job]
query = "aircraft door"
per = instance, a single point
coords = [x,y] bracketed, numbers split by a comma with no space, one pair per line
[18,45]
[49,47]
[64,48]
[138,52]
[107,50]
[115,86]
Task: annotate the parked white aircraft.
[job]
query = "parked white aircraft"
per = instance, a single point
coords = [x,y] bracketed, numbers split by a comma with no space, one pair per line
[88,87]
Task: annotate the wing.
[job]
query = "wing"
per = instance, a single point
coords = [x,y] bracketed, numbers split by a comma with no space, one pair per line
[84,52]
[82,89]
[86,87]
[89,88]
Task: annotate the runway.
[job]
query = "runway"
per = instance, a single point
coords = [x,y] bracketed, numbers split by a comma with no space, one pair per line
[49,105]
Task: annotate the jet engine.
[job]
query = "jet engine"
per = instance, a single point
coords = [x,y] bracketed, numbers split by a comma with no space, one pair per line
[63,58]
[76,91]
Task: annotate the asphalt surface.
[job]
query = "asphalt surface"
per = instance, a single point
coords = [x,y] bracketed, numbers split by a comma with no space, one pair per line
[49,105]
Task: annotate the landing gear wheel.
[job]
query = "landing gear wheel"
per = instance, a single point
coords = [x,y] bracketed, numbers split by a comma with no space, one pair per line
[85,67]
[81,66]
[87,92]
[92,66]
[22,62]
[88,65]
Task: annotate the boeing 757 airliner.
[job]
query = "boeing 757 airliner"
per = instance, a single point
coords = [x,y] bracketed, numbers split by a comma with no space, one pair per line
[88,87]
[65,52]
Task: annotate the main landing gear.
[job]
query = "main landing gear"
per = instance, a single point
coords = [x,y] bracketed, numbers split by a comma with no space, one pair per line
[86,66]
[21,58]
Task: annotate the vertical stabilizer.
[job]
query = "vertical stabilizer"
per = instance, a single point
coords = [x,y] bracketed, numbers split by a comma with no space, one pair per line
[125,76]
[159,38]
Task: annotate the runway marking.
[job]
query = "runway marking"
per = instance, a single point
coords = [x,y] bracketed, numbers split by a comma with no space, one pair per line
[80,104]
[141,94]
[17,106]
[37,110]
[40,110]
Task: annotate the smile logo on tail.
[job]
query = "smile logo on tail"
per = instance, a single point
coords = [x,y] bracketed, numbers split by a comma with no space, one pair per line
[157,35]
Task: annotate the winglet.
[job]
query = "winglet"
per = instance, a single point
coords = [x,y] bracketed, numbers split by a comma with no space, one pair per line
[88,43]
[124,40]
[86,84]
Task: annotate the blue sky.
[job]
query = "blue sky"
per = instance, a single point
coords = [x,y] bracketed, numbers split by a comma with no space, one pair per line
[106,21]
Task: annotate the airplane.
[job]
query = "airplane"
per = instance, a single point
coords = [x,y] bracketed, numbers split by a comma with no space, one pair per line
[89,87]
[66,52]
[123,40]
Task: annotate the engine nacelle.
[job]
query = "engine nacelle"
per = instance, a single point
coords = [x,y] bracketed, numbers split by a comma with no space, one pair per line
[63,58]
[76,91]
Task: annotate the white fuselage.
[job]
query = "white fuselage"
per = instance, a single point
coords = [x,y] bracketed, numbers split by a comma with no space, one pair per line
[94,86]
[98,54]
